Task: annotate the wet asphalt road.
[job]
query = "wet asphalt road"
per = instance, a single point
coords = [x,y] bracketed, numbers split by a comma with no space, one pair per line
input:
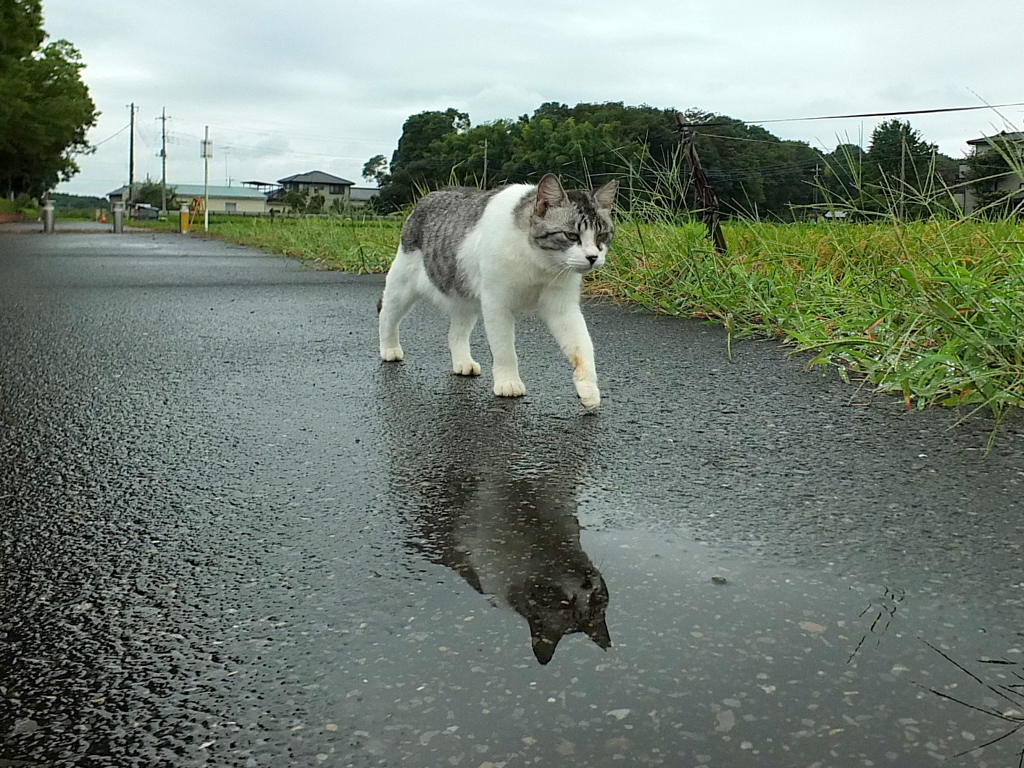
[230,537]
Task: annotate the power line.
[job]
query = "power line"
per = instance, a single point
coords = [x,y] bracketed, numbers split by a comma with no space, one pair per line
[860,115]
[124,128]
[289,134]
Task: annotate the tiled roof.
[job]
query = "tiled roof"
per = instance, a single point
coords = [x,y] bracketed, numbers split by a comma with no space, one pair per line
[363,193]
[1008,135]
[314,177]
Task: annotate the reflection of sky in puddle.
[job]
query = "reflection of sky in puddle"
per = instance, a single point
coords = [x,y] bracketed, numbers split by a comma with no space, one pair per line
[775,666]
[791,664]
[717,659]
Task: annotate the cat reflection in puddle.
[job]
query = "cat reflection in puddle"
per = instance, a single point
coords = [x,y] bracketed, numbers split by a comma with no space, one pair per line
[517,540]
[495,494]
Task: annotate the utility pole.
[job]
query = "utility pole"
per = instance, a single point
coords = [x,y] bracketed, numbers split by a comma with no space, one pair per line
[131,155]
[903,177]
[705,194]
[163,161]
[485,163]
[207,154]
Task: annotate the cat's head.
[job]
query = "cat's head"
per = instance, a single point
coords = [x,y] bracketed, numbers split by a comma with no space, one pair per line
[555,607]
[572,229]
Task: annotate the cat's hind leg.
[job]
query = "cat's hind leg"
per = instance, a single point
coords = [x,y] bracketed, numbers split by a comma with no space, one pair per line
[401,293]
[463,320]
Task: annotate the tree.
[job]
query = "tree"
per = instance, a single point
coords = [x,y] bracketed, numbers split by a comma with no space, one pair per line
[151,193]
[413,167]
[45,108]
[900,171]
[22,23]
[841,179]
[752,170]
[376,170]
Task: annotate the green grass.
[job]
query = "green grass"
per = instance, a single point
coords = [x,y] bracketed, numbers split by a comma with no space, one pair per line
[930,311]
[352,245]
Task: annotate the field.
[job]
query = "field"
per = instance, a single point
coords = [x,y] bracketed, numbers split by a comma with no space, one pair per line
[931,311]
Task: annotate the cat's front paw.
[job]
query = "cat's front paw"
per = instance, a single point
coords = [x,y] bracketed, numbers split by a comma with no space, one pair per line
[509,388]
[391,354]
[589,395]
[466,368]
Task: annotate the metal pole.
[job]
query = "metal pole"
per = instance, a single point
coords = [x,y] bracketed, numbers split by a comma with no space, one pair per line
[48,215]
[163,162]
[118,217]
[207,153]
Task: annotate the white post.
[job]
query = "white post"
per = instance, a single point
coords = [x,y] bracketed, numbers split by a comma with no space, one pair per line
[118,216]
[48,216]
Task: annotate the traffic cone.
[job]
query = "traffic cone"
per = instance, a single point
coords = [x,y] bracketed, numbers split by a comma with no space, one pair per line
[103,216]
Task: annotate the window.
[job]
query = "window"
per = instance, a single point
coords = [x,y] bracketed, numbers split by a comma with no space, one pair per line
[231,207]
[337,189]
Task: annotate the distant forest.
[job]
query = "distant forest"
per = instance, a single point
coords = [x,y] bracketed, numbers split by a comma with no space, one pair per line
[752,171]
[65,201]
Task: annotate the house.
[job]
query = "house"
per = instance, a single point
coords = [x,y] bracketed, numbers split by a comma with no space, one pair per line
[329,187]
[222,199]
[362,195]
[1010,184]
[335,191]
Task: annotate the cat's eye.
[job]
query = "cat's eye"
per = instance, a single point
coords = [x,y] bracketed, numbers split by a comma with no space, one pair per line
[572,237]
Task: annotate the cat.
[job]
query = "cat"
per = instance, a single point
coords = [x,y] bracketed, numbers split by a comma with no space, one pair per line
[515,538]
[493,495]
[498,253]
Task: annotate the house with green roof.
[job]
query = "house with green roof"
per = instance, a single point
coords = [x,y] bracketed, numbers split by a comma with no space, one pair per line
[222,199]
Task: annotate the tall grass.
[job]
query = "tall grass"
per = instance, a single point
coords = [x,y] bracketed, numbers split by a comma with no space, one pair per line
[931,310]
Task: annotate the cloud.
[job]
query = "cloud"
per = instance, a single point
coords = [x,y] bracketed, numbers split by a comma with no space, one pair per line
[330,84]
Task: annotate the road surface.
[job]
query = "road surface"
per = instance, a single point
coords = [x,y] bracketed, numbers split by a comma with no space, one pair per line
[230,536]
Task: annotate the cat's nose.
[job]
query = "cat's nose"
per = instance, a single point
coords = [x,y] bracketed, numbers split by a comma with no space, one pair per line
[591,257]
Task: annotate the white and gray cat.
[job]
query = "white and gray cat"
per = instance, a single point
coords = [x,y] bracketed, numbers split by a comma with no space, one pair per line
[498,253]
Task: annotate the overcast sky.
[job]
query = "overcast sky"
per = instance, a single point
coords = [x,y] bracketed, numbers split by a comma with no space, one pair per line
[289,87]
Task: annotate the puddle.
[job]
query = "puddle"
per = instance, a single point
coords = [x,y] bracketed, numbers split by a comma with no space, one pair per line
[546,634]
[712,662]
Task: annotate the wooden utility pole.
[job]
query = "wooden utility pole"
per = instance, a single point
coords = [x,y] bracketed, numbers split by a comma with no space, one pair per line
[131,155]
[705,194]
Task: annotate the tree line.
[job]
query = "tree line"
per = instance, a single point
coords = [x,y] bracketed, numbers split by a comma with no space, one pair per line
[752,171]
[45,108]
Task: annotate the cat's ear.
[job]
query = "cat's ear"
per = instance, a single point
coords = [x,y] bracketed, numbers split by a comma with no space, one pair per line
[597,630]
[605,196]
[543,639]
[549,194]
